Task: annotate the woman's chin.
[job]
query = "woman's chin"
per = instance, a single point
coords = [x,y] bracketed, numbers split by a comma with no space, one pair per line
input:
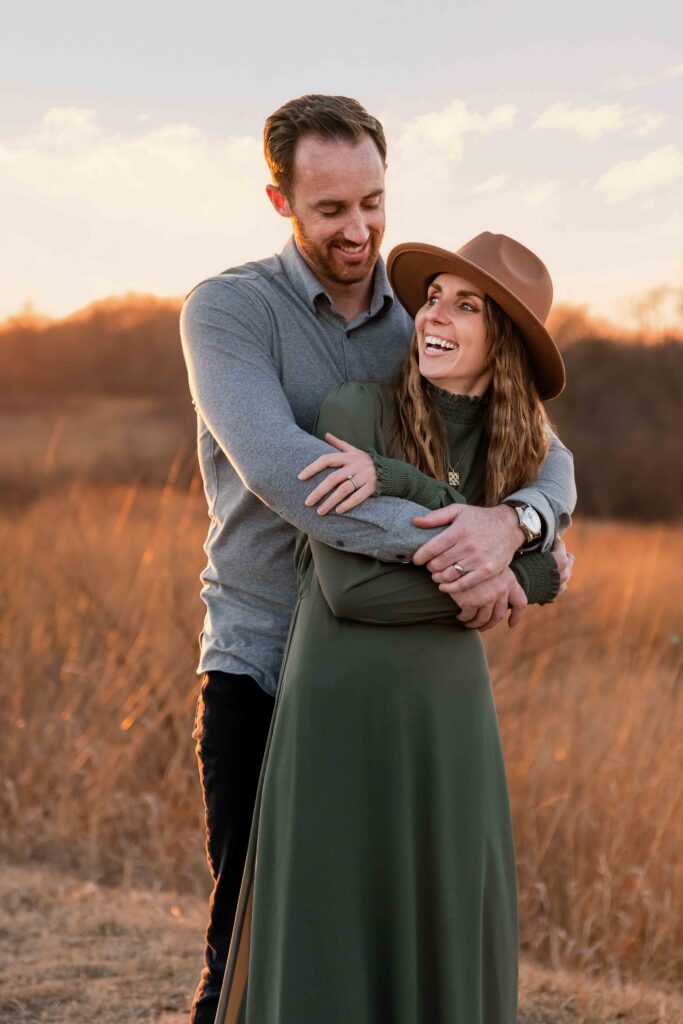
[431,373]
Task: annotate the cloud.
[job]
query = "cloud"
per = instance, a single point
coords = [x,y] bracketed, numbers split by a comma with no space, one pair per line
[590,123]
[633,177]
[173,168]
[525,192]
[648,122]
[441,135]
[495,183]
[629,82]
[538,193]
[161,205]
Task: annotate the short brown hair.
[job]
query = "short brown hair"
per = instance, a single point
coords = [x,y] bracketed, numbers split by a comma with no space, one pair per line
[330,117]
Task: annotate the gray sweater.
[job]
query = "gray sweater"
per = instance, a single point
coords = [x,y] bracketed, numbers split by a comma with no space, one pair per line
[264,345]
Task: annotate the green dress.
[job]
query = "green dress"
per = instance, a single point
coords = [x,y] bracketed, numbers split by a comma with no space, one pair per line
[380,882]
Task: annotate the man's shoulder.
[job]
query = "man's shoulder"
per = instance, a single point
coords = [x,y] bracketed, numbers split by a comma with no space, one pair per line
[260,276]
[251,291]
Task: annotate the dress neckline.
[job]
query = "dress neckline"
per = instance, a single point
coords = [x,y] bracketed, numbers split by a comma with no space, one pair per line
[464,409]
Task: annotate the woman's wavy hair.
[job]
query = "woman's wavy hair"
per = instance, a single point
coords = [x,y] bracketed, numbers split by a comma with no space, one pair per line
[517,424]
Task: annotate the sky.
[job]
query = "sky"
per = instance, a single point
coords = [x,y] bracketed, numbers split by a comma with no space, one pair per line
[131,155]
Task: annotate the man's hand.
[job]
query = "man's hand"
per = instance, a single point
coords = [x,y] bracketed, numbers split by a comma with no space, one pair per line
[486,604]
[483,541]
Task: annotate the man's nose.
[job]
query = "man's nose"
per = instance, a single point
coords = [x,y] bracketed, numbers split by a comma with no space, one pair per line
[356,230]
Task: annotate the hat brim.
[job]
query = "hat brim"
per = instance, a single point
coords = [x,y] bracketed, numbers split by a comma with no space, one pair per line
[412,265]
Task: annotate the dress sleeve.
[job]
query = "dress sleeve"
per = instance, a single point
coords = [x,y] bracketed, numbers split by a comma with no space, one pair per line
[360,587]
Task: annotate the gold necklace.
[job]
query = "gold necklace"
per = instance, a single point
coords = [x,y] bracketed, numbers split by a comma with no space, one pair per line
[453,475]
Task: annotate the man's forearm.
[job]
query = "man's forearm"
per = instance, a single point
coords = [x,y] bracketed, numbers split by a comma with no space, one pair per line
[553,492]
[238,394]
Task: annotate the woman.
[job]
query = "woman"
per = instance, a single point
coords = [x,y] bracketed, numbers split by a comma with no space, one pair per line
[382,889]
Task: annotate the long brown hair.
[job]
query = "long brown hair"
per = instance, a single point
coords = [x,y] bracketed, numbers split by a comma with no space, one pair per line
[516,419]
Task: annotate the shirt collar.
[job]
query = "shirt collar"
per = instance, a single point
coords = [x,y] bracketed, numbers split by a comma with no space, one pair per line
[309,288]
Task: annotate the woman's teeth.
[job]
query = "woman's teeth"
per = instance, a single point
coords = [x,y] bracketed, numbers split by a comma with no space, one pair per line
[432,343]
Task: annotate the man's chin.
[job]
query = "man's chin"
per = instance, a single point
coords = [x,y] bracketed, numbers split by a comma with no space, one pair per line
[352,273]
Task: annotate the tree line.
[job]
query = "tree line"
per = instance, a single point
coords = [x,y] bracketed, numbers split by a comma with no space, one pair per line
[621,412]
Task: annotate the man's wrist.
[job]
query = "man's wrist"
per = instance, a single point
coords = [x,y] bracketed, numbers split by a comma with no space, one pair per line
[517,536]
[530,523]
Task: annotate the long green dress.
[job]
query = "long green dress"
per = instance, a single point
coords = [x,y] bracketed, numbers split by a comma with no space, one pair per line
[380,884]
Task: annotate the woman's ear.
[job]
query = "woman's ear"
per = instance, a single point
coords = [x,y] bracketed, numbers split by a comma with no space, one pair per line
[279,201]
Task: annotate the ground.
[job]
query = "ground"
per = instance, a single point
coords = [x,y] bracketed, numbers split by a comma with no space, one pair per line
[81,953]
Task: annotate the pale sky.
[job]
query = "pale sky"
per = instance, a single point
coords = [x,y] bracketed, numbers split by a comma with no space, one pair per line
[130,138]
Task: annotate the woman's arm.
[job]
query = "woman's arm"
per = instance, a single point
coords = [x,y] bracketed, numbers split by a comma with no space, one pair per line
[363,588]
[400,479]
[536,572]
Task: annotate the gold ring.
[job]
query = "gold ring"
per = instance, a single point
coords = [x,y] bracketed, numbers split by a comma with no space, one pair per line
[458,568]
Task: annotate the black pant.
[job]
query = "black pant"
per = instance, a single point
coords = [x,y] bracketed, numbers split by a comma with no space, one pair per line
[233,718]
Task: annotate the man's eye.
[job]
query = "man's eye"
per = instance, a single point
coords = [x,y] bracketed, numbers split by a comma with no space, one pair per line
[431,299]
[371,206]
[329,213]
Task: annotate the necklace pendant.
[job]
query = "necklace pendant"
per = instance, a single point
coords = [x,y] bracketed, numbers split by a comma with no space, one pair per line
[453,477]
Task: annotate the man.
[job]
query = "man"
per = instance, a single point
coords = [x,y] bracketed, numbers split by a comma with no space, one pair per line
[264,344]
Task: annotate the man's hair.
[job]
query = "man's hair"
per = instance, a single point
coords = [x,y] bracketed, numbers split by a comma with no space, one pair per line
[330,117]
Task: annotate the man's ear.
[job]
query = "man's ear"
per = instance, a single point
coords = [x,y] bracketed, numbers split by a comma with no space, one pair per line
[279,201]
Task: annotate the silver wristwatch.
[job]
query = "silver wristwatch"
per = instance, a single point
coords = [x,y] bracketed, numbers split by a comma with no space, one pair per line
[529,521]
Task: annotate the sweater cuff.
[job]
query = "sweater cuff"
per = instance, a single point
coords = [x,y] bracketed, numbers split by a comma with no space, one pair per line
[393,476]
[398,479]
[538,576]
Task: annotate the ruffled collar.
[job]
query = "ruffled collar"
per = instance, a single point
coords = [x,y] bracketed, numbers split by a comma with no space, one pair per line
[464,409]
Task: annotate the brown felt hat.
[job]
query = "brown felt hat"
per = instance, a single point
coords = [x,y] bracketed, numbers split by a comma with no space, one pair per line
[506,271]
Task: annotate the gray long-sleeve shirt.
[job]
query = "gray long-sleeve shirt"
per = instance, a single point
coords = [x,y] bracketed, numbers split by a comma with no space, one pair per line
[264,345]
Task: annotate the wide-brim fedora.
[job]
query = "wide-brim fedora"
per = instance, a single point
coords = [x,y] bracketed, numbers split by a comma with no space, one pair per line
[505,270]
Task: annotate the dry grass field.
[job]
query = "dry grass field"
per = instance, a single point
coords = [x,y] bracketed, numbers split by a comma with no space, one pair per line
[47,441]
[75,952]
[99,613]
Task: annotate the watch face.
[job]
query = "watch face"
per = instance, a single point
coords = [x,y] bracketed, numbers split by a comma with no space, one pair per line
[532,521]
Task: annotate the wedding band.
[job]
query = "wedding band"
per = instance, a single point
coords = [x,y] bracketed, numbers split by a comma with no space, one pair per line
[355,485]
[458,568]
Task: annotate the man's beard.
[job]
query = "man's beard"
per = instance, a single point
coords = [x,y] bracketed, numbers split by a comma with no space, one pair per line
[322,257]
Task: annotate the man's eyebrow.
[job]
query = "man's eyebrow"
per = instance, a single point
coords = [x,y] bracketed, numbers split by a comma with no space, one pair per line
[341,202]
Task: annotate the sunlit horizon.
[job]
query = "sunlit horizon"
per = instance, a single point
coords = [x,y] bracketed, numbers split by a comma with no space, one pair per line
[150,180]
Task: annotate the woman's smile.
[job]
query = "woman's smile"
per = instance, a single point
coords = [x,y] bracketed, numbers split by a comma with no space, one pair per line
[434,345]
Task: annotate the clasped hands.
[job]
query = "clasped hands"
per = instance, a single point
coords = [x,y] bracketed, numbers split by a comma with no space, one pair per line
[481,540]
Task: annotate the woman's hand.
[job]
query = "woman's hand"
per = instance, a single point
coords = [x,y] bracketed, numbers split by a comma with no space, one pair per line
[565,562]
[347,462]
[485,604]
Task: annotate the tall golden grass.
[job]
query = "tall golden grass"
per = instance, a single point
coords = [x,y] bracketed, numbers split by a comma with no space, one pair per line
[99,612]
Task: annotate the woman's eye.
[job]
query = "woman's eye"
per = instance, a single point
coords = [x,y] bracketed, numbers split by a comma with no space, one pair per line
[468,307]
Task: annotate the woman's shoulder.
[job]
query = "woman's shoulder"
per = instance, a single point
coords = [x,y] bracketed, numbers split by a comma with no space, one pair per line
[355,406]
[355,394]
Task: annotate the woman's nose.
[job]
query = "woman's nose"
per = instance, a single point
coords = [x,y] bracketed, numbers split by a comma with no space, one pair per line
[435,316]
